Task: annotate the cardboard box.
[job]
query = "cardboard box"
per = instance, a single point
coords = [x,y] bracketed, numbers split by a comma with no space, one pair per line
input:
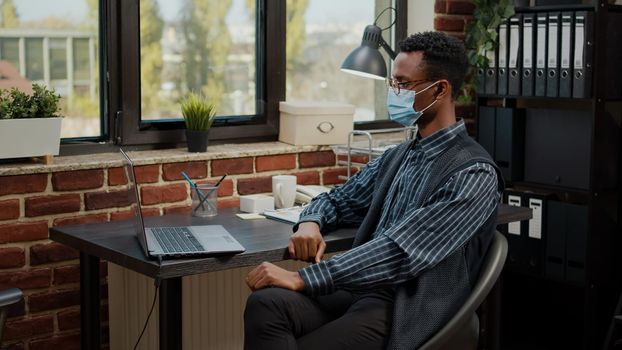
[315,123]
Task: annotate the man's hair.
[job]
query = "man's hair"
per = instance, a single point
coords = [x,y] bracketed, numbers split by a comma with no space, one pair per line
[444,57]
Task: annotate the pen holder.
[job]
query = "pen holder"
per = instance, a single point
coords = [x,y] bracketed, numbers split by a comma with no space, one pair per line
[204,200]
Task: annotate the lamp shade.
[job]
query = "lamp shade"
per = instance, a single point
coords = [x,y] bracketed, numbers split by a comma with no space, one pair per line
[366,60]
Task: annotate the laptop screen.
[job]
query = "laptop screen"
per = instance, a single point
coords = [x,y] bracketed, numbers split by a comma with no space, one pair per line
[132,193]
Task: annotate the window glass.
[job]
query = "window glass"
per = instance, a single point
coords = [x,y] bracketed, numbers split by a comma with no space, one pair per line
[320,34]
[205,46]
[55,43]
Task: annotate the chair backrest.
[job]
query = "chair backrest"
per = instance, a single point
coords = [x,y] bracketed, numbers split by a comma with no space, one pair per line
[462,330]
[8,297]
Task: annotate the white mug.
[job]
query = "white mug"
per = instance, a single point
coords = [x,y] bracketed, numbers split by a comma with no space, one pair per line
[284,190]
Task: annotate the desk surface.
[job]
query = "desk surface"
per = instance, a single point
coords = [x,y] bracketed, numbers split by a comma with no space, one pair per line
[264,240]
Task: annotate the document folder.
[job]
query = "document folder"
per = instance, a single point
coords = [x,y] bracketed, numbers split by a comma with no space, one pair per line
[509,142]
[576,235]
[552,61]
[583,39]
[480,81]
[491,73]
[486,129]
[528,54]
[502,61]
[514,233]
[514,78]
[565,74]
[556,241]
[536,232]
[541,48]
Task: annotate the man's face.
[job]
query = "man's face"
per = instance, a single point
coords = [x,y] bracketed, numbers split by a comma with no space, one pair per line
[408,71]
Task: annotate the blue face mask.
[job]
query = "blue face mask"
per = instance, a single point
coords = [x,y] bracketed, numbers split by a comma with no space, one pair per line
[402,107]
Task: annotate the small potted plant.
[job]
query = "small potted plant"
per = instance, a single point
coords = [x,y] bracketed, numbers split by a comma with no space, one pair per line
[29,123]
[199,114]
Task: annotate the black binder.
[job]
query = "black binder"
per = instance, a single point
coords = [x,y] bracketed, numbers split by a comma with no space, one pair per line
[565,67]
[480,80]
[552,60]
[486,129]
[536,231]
[491,73]
[514,77]
[528,54]
[576,235]
[556,241]
[509,142]
[541,48]
[515,233]
[502,60]
[583,39]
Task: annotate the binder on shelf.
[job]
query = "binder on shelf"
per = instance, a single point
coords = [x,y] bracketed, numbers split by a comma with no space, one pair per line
[514,77]
[555,241]
[583,38]
[565,67]
[528,54]
[552,60]
[491,73]
[576,235]
[502,60]
[480,80]
[541,48]
[536,232]
[514,234]
[486,129]
[509,142]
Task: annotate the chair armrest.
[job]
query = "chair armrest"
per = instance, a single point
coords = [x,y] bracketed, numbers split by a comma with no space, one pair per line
[10,296]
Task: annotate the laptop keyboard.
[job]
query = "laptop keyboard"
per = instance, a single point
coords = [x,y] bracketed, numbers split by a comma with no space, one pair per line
[177,239]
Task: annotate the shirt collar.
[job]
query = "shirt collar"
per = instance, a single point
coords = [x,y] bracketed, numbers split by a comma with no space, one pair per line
[436,143]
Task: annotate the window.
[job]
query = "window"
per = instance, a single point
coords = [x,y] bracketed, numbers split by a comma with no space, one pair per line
[54,43]
[122,66]
[313,71]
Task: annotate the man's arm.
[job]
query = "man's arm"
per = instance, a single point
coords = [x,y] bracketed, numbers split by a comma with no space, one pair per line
[347,204]
[423,238]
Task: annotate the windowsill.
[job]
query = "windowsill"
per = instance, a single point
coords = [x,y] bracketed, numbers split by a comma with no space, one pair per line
[109,160]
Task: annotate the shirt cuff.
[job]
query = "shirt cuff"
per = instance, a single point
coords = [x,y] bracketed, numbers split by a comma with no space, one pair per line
[317,218]
[317,278]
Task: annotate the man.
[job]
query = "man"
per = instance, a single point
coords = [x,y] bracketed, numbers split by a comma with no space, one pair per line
[426,211]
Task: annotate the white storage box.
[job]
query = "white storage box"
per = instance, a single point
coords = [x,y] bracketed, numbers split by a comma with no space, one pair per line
[315,123]
[256,203]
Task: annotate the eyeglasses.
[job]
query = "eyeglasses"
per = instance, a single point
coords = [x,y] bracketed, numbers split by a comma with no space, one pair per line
[406,85]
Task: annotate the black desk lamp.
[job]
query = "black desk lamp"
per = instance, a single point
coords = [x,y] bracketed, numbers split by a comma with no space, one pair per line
[366,60]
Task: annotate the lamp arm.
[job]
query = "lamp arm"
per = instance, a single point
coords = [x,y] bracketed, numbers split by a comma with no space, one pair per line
[387,48]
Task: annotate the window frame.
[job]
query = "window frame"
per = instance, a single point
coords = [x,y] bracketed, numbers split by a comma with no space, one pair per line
[120,89]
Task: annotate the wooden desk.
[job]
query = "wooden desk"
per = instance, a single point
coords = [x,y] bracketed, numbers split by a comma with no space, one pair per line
[264,240]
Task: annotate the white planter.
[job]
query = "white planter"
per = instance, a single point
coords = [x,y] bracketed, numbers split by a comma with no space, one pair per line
[29,137]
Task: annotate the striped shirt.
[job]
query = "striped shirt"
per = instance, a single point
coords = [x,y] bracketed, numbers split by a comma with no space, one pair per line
[408,239]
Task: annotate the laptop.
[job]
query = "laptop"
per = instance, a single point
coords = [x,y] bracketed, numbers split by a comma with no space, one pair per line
[176,242]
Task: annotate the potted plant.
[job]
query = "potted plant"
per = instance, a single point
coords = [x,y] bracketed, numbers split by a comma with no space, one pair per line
[29,123]
[199,114]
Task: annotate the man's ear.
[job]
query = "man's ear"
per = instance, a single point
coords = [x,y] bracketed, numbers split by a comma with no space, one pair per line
[443,88]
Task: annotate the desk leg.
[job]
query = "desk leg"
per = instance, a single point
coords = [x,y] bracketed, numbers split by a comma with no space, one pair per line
[89,302]
[170,314]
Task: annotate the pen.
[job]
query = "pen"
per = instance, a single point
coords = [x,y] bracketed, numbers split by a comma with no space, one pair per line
[196,188]
[212,190]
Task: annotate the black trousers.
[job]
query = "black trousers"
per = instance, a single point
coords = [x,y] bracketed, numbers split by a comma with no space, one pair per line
[277,318]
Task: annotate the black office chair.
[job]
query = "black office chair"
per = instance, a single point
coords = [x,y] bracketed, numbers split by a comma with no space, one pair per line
[8,297]
[462,330]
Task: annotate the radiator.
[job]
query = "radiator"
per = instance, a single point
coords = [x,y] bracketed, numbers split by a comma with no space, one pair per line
[212,308]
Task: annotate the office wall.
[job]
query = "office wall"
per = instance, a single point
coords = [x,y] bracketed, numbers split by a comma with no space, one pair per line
[38,198]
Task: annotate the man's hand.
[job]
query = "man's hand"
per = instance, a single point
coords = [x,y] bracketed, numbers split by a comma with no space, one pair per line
[270,275]
[307,243]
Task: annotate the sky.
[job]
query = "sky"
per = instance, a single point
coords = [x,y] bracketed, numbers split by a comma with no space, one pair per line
[319,11]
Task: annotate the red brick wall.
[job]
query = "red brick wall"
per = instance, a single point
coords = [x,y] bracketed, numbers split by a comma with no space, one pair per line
[48,272]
